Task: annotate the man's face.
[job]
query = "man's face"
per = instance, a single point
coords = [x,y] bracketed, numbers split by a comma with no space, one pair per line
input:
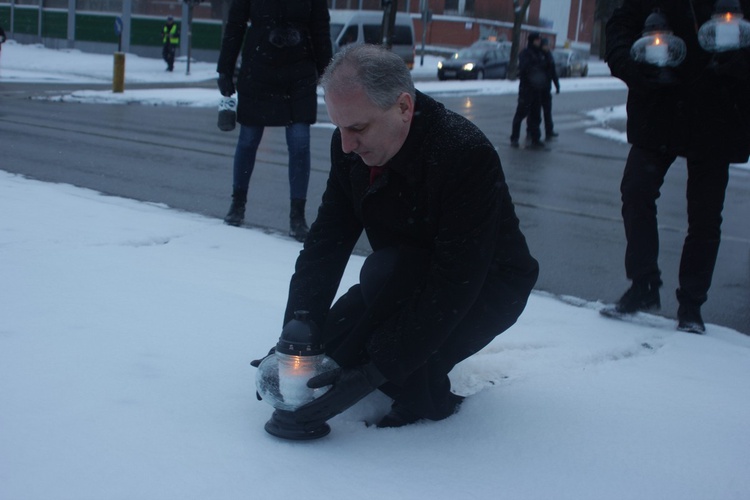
[376,135]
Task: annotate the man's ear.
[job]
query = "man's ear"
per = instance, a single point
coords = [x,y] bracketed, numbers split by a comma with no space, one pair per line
[406,105]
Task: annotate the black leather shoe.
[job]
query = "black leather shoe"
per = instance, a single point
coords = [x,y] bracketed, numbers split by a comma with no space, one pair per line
[689,319]
[399,416]
[641,296]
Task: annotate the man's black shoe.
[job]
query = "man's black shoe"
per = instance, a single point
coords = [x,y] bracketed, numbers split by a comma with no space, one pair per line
[552,135]
[399,416]
[535,144]
[641,296]
[689,319]
[513,142]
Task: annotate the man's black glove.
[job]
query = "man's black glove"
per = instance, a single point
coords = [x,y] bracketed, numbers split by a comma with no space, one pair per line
[348,385]
[256,363]
[733,64]
[650,77]
[226,84]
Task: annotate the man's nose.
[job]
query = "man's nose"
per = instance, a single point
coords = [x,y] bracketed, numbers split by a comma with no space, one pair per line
[348,141]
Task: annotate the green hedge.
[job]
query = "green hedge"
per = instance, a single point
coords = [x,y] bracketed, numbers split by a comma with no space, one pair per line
[101,27]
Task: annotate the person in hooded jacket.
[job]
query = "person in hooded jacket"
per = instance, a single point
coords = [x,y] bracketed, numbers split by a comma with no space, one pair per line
[701,113]
[287,45]
[450,268]
[533,79]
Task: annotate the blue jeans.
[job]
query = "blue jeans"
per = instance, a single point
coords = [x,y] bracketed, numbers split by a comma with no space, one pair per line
[298,145]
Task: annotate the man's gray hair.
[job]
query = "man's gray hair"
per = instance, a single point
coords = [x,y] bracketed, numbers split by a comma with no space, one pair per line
[382,74]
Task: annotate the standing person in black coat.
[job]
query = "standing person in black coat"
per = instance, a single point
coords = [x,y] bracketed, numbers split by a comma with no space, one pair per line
[450,268]
[286,48]
[532,74]
[702,115]
[549,126]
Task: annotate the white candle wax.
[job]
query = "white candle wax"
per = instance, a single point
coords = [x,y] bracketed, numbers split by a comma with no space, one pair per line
[727,35]
[294,372]
[657,53]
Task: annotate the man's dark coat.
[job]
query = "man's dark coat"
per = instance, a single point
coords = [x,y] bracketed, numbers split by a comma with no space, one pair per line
[443,193]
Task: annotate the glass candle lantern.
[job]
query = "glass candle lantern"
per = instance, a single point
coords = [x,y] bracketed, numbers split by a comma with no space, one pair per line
[281,379]
[726,30]
[658,46]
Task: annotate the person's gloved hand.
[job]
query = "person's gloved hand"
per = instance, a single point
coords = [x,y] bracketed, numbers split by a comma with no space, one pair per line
[256,363]
[226,84]
[649,77]
[348,385]
[733,64]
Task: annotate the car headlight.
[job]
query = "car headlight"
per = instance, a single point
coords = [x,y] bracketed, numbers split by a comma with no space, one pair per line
[440,64]
[468,66]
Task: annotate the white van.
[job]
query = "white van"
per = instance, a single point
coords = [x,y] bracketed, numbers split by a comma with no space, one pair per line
[365,26]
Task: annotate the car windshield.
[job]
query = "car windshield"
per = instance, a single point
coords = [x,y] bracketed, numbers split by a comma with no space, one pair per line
[469,54]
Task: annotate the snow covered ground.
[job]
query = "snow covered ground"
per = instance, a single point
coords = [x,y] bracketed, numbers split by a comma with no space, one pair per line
[127,328]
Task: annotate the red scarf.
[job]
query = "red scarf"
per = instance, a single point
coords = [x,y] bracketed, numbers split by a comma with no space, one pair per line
[376,172]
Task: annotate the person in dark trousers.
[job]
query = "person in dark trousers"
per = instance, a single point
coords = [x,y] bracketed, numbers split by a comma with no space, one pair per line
[549,126]
[532,74]
[170,41]
[700,114]
[286,48]
[450,269]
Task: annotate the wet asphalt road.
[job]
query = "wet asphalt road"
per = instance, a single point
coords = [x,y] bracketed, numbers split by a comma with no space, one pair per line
[567,196]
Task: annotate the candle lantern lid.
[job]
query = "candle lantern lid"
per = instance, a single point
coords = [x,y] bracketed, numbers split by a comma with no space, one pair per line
[656,22]
[300,337]
[730,6]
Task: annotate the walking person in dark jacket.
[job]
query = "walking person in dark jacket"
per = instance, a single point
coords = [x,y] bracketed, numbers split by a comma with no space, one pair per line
[170,34]
[532,74]
[286,48]
[549,126]
[700,114]
[450,268]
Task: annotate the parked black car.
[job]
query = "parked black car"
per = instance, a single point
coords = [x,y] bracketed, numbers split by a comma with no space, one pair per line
[482,60]
[570,63]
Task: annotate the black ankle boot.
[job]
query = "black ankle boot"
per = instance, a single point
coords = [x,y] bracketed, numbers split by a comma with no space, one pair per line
[641,296]
[236,214]
[297,225]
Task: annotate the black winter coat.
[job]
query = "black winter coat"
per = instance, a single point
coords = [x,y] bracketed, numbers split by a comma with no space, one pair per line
[278,78]
[533,73]
[444,192]
[707,114]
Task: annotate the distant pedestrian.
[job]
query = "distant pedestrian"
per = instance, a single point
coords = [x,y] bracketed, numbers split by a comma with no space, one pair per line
[170,41]
[2,38]
[549,127]
[532,73]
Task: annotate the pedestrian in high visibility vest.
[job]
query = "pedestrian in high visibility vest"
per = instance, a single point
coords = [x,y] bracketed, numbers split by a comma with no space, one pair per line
[170,39]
